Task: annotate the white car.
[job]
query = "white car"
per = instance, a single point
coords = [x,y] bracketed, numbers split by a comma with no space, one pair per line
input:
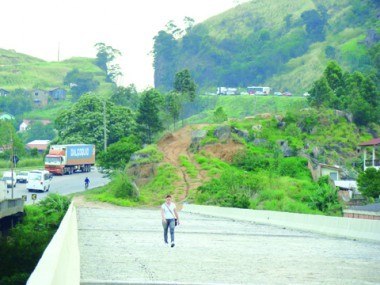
[22,177]
[8,181]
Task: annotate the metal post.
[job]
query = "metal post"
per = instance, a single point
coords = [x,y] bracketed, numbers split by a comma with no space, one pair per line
[373,156]
[105,126]
[12,162]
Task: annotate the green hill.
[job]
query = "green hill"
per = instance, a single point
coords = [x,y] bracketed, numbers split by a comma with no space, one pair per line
[22,71]
[239,107]
[280,43]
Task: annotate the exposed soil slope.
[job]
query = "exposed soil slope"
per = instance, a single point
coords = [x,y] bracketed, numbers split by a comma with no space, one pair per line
[175,145]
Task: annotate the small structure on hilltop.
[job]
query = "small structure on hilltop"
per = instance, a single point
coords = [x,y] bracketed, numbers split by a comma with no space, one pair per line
[26,124]
[4,92]
[40,97]
[371,161]
[58,93]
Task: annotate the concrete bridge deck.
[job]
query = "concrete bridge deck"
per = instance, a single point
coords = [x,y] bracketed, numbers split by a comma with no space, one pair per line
[125,246]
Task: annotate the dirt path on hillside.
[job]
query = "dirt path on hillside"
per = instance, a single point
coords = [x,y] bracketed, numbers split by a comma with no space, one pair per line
[175,145]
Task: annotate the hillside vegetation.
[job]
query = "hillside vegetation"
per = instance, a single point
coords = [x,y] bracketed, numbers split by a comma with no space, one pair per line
[22,71]
[280,43]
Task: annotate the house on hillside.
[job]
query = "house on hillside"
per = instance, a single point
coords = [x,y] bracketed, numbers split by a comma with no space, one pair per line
[58,93]
[321,169]
[369,159]
[26,123]
[346,189]
[6,116]
[40,145]
[40,97]
[3,92]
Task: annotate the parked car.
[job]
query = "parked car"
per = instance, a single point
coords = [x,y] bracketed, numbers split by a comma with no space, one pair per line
[9,180]
[286,94]
[22,177]
[277,93]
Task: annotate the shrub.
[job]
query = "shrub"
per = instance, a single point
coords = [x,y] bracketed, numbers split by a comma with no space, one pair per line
[295,167]
[369,183]
[23,247]
[121,187]
[325,198]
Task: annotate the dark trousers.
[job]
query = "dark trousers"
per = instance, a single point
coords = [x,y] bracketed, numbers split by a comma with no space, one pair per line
[170,223]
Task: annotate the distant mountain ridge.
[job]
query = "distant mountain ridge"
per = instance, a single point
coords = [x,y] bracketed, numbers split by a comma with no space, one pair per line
[281,43]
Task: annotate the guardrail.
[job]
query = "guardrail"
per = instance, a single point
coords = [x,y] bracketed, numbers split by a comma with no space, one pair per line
[10,207]
[334,226]
[60,263]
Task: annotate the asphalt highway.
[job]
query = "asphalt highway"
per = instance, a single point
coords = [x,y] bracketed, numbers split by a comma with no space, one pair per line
[64,185]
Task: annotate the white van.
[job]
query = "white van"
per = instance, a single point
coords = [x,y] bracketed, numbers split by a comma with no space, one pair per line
[7,178]
[39,180]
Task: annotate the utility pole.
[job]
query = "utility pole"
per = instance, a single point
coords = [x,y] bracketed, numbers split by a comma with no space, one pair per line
[104,125]
[59,44]
[12,162]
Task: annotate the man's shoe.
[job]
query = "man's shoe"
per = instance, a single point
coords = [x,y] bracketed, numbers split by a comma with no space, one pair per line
[172,244]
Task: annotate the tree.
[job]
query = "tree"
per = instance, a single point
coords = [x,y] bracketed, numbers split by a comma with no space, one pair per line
[119,153]
[148,120]
[10,143]
[185,85]
[126,96]
[334,75]
[16,103]
[369,183]
[189,23]
[315,22]
[83,122]
[173,106]
[39,131]
[164,53]
[104,57]
[219,115]
[80,82]
[321,94]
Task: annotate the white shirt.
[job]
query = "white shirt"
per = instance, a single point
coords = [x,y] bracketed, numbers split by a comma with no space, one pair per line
[167,213]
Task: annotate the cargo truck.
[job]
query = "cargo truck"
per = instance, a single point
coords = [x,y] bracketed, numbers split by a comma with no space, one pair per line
[67,159]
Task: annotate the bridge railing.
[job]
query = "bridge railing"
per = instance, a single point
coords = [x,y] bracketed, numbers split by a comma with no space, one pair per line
[60,263]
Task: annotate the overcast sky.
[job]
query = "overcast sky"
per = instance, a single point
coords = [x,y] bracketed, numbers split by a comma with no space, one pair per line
[37,27]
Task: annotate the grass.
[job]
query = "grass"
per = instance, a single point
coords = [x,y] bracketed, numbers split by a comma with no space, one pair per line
[151,194]
[241,106]
[24,164]
[23,71]
[190,168]
[48,113]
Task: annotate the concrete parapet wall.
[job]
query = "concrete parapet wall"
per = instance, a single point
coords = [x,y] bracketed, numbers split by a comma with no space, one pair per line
[361,214]
[10,207]
[60,263]
[335,226]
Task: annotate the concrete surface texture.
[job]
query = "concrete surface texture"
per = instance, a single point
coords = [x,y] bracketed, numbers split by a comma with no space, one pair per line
[125,246]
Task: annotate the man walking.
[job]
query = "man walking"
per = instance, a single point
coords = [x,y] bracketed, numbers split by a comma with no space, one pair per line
[169,215]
